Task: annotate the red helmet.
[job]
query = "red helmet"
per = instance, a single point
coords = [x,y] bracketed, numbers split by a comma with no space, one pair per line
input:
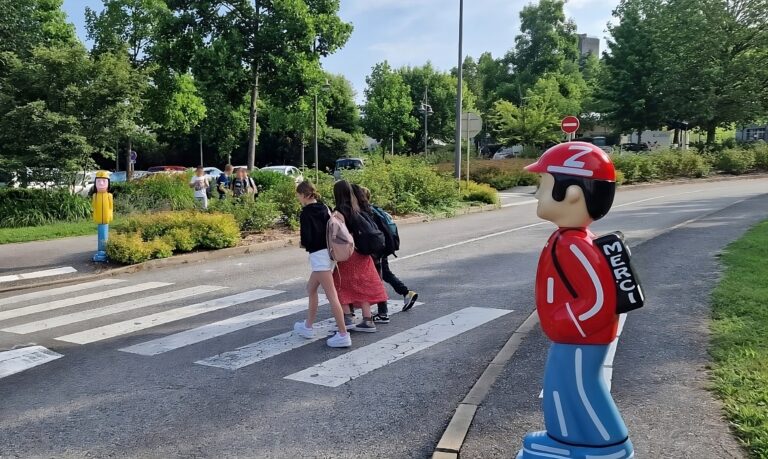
[579,159]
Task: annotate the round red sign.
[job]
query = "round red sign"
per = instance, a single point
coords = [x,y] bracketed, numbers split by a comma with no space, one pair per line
[570,124]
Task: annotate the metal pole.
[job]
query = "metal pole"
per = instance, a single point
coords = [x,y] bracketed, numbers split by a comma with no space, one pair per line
[426,115]
[467,150]
[457,152]
[317,170]
[201,148]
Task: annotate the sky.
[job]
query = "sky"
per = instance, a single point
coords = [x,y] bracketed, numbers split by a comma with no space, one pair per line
[412,32]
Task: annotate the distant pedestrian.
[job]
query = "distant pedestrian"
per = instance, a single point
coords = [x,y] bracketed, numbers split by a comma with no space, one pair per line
[222,182]
[388,227]
[314,221]
[200,184]
[358,282]
[243,185]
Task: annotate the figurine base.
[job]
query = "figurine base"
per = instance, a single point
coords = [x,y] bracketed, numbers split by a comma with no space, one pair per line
[100,257]
[539,445]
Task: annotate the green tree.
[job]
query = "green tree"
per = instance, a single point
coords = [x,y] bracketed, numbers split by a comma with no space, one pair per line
[29,23]
[388,109]
[177,104]
[546,44]
[534,123]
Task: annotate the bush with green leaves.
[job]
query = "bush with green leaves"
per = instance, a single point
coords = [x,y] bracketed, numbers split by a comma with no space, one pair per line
[479,192]
[21,207]
[283,195]
[157,192]
[404,185]
[251,216]
[761,155]
[158,235]
[266,180]
[736,162]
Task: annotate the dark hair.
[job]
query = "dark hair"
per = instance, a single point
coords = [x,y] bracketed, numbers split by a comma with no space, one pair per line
[598,194]
[346,202]
[362,198]
[306,188]
[199,167]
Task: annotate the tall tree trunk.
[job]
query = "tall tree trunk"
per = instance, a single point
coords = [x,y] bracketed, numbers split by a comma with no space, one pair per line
[676,139]
[711,134]
[253,120]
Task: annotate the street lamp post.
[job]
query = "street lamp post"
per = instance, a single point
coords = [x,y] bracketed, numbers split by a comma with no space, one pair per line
[457,150]
[426,110]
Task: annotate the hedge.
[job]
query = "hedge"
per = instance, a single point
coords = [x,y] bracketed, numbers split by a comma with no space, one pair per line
[21,207]
[479,192]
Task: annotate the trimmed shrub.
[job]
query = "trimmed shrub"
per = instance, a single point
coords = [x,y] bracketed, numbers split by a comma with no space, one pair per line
[180,239]
[255,216]
[152,193]
[283,195]
[34,207]
[694,165]
[761,156]
[479,192]
[735,162]
[159,248]
[128,248]
[266,180]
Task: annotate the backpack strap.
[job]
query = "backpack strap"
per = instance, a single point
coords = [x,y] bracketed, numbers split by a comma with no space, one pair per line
[559,268]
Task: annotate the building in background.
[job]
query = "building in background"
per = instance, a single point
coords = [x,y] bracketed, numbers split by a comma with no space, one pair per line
[589,45]
[752,133]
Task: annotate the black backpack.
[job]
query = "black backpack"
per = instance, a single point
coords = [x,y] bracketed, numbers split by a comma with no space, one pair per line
[389,239]
[390,231]
[369,240]
[629,293]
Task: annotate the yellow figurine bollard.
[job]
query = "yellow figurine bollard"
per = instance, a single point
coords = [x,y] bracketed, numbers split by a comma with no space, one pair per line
[103,211]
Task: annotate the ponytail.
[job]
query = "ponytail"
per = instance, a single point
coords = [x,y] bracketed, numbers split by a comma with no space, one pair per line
[307,189]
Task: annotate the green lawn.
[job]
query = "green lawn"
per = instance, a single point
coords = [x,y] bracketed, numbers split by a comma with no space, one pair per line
[52,231]
[740,341]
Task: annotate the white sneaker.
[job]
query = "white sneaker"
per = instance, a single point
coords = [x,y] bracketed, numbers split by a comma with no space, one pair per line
[340,341]
[300,328]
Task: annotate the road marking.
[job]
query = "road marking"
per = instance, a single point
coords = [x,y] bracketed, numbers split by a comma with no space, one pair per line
[117,308]
[521,203]
[223,327]
[38,274]
[58,304]
[276,345]
[18,360]
[173,315]
[361,361]
[57,291]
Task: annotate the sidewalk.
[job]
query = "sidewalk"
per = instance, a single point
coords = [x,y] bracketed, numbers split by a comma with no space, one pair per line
[29,257]
[660,375]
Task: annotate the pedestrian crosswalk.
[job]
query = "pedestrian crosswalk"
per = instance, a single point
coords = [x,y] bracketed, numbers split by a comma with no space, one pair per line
[110,309]
[38,274]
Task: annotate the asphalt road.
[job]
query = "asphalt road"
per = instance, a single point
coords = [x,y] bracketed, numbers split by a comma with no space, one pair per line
[182,395]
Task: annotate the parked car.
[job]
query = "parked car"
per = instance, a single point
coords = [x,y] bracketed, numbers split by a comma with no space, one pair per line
[508,152]
[347,164]
[635,147]
[166,169]
[290,171]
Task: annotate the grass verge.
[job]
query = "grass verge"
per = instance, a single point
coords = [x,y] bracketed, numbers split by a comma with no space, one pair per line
[45,232]
[740,339]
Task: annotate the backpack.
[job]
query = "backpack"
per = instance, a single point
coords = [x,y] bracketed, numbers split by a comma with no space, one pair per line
[337,236]
[369,240]
[629,293]
[393,241]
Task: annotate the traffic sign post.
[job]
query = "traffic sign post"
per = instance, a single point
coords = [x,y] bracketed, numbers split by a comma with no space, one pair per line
[472,124]
[570,125]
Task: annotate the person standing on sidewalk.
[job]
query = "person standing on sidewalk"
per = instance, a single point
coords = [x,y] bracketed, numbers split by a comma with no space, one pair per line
[314,221]
[358,283]
[382,263]
[199,183]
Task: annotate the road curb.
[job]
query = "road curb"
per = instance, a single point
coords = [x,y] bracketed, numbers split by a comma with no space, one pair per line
[207,255]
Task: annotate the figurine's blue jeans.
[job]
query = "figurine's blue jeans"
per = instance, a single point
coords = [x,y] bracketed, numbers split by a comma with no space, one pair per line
[578,407]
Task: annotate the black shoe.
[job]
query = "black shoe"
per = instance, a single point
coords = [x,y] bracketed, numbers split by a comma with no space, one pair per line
[409,300]
[381,318]
[366,326]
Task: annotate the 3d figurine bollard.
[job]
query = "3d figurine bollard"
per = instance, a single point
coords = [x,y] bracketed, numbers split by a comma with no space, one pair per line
[102,213]
[583,283]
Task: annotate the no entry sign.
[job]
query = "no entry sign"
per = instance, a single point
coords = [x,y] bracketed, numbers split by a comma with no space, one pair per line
[570,124]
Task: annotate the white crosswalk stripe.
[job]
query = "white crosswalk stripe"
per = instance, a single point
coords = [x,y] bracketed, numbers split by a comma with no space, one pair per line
[352,365]
[58,304]
[58,291]
[18,360]
[117,308]
[220,328]
[173,315]
[38,274]
[276,345]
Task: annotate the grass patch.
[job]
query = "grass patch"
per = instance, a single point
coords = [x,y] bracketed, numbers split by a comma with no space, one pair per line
[740,339]
[51,231]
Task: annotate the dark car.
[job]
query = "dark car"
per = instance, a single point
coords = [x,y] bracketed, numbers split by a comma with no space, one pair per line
[636,147]
[347,164]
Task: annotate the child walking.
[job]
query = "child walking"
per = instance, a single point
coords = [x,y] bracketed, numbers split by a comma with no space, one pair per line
[359,283]
[314,220]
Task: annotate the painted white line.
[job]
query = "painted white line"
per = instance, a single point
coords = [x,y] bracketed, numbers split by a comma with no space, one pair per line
[173,315]
[117,308]
[58,304]
[352,365]
[38,274]
[521,203]
[223,327]
[18,360]
[58,291]
[276,345]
